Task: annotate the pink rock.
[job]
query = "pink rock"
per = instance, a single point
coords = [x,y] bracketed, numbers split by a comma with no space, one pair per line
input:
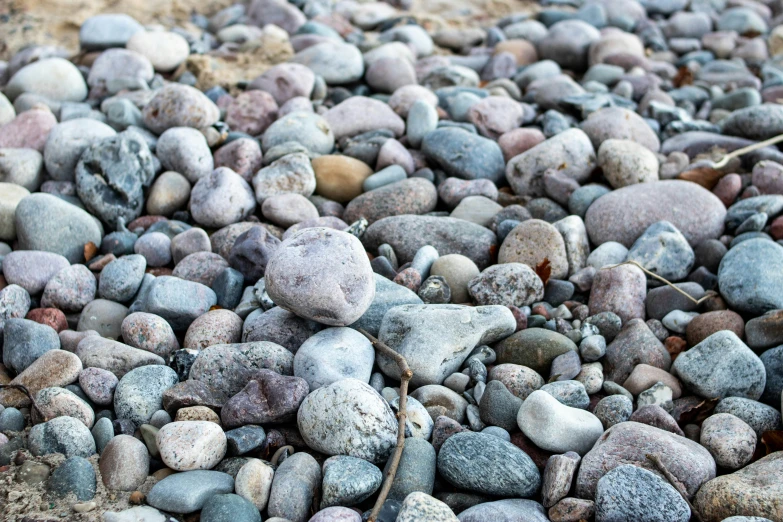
[404,97]
[517,141]
[621,290]
[252,112]
[277,12]
[496,115]
[728,188]
[28,130]
[242,155]
[768,177]
[394,153]
[360,114]
[285,81]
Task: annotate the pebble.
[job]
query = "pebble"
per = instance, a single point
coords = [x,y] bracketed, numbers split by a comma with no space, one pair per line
[165,50]
[741,273]
[267,398]
[360,114]
[32,269]
[139,393]
[22,167]
[53,78]
[25,341]
[191,445]
[66,143]
[347,481]
[421,506]
[620,290]
[729,439]
[448,147]
[119,359]
[178,301]
[336,62]
[663,250]
[629,491]
[74,476]
[334,354]
[387,296]
[254,481]
[124,463]
[65,435]
[293,487]
[189,491]
[221,198]
[70,289]
[29,130]
[104,31]
[507,284]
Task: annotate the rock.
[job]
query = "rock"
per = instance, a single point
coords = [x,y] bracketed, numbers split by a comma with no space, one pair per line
[752,491]
[103,31]
[54,78]
[509,284]
[758,416]
[571,148]
[665,299]
[186,151]
[630,442]
[334,354]
[409,196]
[644,376]
[293,487]
[348,481]
[498,406]
[618,123]
[337,63]
[662,249]
[639,206]
[98,385]
[252,251]
[407,234]
[118,358]
[191,445]
[65,435]
[421,506]
[629,491]
[279,326]
[463,154]
[748,284]
[635,344]
[288,209]
[534,348]
[149,332]
[165,50]
[285,81]
[340,178]
[53,368]
[45,222]
[251,112]
[268,398]
[625,162]
[66,143]
[531,242]
[74,476]
[555,427]
[306,128]
[221,198]
[621,290]
[178,105]
[387,296]
[759,122]
[408,328]
[103,316]
[23,167]
[721,366]
[70,289]
[178,301]
[765,331]
[61,402]
[124,463]
[365,428]
[32,270]
[557,477]
[298,256]
[487,465]
[242,155]
[729,439]
[359,114]
[254,481]
[139,393]
[189,491]
[25,341]
[121,279]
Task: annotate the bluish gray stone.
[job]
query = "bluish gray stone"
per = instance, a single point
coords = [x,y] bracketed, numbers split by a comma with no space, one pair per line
[121,279]
[11,419]
[229,508]
[347,481]
[66,435]
[387,295]
[629,492]
[306,128]
[750,276]
[139,393]
[76,475]
[508,510]
[570,393]
[773,366]
[24,341]
[107,30]
[386,176]
[188,491]
[293,488]
[486,464]
[178,301]
[759,122]
[102,433]
[613,409]
[662,249]
[333,354]
[498,406]
[245,439]
[422,119]
[757,415]
[721,366]
[416,471]
[464,155]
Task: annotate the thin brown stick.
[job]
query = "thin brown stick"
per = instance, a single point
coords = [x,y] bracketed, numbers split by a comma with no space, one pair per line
[406,374]
[22,388]
[709,293]
[675,483]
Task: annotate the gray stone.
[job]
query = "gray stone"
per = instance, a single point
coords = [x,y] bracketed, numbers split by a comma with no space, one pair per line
[416,470]
[508,510]
[118,358]
[348,481]
[121,279]
[66,143]
[24,341]
[508,284]
[750,276]
[760,417]
[188,491]
[632,493]
[107,30]
[74,476]
[333,354]
[498,406]
[556,427]
[294,487]
[65,435]
[463,154]
[139,393]
[420,506]
[535,348]
[663,250]
[178,301]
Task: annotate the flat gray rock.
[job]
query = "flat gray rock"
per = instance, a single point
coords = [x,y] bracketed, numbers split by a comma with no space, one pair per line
[750,276]
[188,491]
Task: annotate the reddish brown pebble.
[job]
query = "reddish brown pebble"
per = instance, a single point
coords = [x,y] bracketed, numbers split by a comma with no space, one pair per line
[520,318]
[704,325]
[572,510]
[674,345]
[50,317]
[776,229]
[409,278]
[540,309]
[145,222]
[136,498]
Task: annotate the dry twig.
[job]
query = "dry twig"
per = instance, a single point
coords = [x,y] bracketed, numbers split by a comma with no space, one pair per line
[405,376]
[674,482]
[709,293]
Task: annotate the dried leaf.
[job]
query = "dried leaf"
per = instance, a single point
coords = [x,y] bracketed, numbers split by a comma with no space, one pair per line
[695,412]
[772,441]
[90,250]
[544,270]
[215,307]
[684,76]
[705,176]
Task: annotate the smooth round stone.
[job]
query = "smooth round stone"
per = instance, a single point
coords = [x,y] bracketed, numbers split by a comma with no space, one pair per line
[693,210]
[24,341]
[613,409]
[155,248]
[251,112]
[421,506]
[334,354]
[53,78]
[760,417]
[189,242]
[191,445]
[531,242]
[221,198]
[337,63]
[729,439]
[609,253]
[340,178]
[119,67]
[14,303]
[242,155]
[139,393]
[291,174]
[178,301]
[61,402]
[279,326]
[121,279]
[403,99]
[360,114]
[663,250]
[48,223]
[506,511]
[416,470]
[164,49]
[507,284]
[22,167]
[387,74]
[11,419]
[307,128]
[567,44]
[293,488]
[408,196]
[103,316]
[53,368]
[468,460]
[477,209]
[214,327]
[74,476]
[346,266]
[66,143]
[107,30]
[98,385]
[422,119]
[229,508]
[365,426]
[458,271]
[520,380]
[630,492]
[625,162]
[254,481]
[288,209]
[348,481]
[285,81]
[556,427]
[188,492]
[32,269]
[463,154]
[535,348]
[178,105]
[124,463]
[622,124]
[186,151]
[65,435]
[749,276]
[28,130]
[387,295]
[200,267]
[324,222]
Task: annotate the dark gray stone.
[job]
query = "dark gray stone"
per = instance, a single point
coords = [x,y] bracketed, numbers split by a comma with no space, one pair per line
[188,491]
[76,475]
[464,155]
[416,471]
[245,439]
[347,481]
[293,488]
[750,277]
[24,341]
[229,508]
[632,493]
[178,301]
